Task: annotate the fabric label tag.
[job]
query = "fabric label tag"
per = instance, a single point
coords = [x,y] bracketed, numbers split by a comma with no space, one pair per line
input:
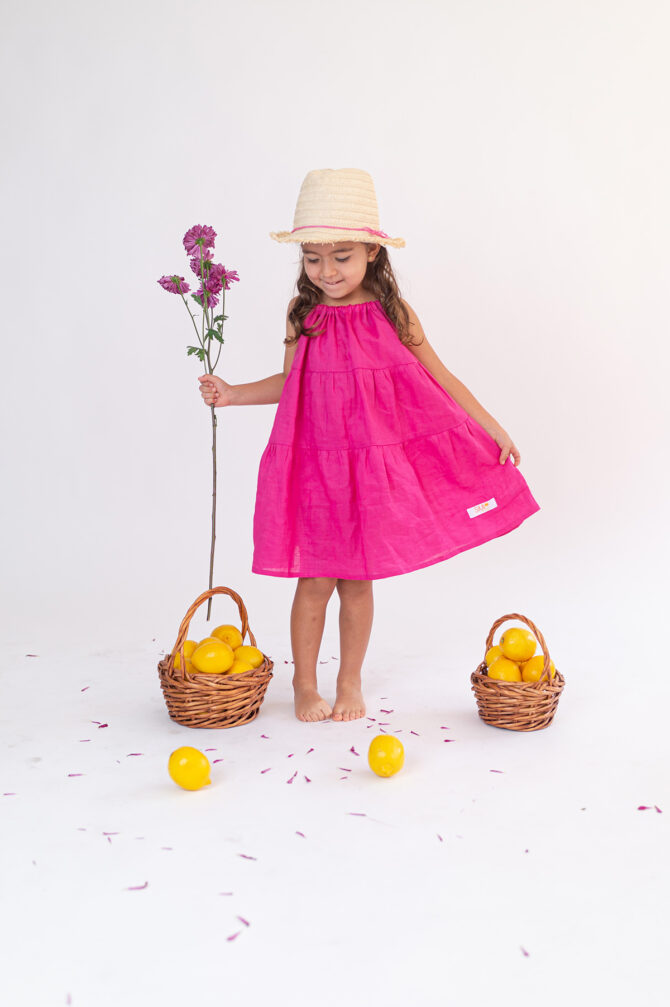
[480,508]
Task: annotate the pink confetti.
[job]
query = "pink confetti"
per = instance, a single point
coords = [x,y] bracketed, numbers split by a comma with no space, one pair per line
[134,753]
[414,732]
[352,749]
[526,953]
[266,770]
[101,725]
[300,834]
[233,936]
[210,749]
[264,736]
[214,761]
[382,730]
[242,920]
[291,755]
[384,723]
[85,688]
[398,730]
[307,778]
[246,856]
[344,769]
[386,711]
[439,837]
[309,750]
[370,718]
[444,728]
[363,814]
[650,807]
[292,778]
[447,740]
[496,770]
[137,888]
[75,774]
[658,809]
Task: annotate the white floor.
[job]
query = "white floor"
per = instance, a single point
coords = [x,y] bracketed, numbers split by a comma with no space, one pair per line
[502,867]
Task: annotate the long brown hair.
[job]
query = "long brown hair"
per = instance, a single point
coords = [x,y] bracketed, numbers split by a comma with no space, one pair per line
[379,280]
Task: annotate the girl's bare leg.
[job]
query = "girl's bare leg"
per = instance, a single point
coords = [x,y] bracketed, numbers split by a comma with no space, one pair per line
[356,612]
[308,617]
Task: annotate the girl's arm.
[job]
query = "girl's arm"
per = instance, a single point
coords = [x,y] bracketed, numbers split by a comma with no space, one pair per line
[425,353]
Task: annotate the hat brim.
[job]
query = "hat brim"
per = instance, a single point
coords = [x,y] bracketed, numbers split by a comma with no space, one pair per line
[329,237]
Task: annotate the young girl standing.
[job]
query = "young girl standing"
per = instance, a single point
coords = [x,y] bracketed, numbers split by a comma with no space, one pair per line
[380,461]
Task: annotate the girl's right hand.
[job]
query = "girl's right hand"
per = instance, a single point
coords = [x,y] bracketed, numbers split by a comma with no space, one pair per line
[214,390]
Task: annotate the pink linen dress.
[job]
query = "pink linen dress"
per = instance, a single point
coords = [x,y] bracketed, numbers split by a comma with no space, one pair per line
[372,469]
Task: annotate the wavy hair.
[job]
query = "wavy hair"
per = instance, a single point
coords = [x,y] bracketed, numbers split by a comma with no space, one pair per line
[379,280]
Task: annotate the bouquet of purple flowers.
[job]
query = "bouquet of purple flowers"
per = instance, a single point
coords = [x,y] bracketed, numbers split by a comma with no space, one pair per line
[214,279]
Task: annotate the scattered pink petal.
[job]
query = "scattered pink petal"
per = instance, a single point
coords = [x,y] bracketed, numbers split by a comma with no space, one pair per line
[264,736]
[384,723]
[214,761]
[110,833]
[383,697]
[309,750]
[137,888]
[75,774]
[658,809]
[210,749]
[246,856]
[525,851]
[300,834]
[370,718]
[496,770]
[307,778]
[32,655]
[96,722]
[323,662]
[292,778]
[414,732]
[266,770]
[344,769]
[226,893]
[242,920]
[9,793]
[386,711]
[344,777]
[166,848]
[352,749]
[526,953]
[82,740]
[109,839]
[382,730]
[447,740]
[291,755]
[398,730]
[81,829]
[233,936]
[85,688]
[444,728]
[334,658]
[439,837]
[362,814]
[102,725]
[134,753]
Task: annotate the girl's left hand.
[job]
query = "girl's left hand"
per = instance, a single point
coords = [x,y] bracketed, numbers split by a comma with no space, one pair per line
[507,445]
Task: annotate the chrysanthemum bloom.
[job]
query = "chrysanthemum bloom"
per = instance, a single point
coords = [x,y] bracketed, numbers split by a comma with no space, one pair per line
[174,284]
[199,237]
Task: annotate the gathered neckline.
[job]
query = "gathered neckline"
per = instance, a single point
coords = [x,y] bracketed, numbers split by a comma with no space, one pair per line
[355,304]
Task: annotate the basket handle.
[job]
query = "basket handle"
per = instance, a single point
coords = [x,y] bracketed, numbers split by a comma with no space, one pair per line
[533,627]
[186,622]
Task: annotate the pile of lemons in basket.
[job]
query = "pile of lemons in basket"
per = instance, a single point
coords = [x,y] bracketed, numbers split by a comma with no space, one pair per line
[222,653]
[513,659]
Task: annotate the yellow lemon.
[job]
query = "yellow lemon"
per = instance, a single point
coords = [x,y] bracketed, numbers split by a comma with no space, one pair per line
[229,634]
[531,670]
[505,670]
[492,654]
[250,654]
[189,767]
[518,644]
[238,666]
[214,658]
[208,639]
[189,647]
[386,755]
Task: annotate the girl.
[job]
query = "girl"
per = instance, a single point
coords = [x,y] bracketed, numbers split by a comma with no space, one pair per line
[380,461]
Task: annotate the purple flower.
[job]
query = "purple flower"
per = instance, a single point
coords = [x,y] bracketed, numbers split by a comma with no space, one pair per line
[212,299]
[202,256]
[174,284]
[199,237]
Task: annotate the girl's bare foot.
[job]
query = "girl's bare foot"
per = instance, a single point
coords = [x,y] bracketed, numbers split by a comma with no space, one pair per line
[349,703]
[309,705]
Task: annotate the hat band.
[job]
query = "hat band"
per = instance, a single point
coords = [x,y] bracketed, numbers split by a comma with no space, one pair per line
[337,227]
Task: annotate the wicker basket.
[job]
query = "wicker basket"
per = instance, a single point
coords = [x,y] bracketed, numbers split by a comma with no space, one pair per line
[517,706]
[197,700]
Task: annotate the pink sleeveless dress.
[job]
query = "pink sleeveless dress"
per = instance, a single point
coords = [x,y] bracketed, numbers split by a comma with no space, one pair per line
[372,469]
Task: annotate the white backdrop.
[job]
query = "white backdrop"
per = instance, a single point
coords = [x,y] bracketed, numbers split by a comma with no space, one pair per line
[522,151]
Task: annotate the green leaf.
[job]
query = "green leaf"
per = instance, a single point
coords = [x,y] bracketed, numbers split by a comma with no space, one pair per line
[192,349]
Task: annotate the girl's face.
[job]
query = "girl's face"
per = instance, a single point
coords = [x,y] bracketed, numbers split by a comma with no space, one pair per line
[338,269]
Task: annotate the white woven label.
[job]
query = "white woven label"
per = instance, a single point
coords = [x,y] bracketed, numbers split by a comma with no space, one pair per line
[482,507]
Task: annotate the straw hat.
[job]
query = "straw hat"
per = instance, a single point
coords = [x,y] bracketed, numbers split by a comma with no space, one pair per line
[337,204]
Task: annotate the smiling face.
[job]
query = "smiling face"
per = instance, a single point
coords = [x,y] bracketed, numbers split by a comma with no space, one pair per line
[338,269]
